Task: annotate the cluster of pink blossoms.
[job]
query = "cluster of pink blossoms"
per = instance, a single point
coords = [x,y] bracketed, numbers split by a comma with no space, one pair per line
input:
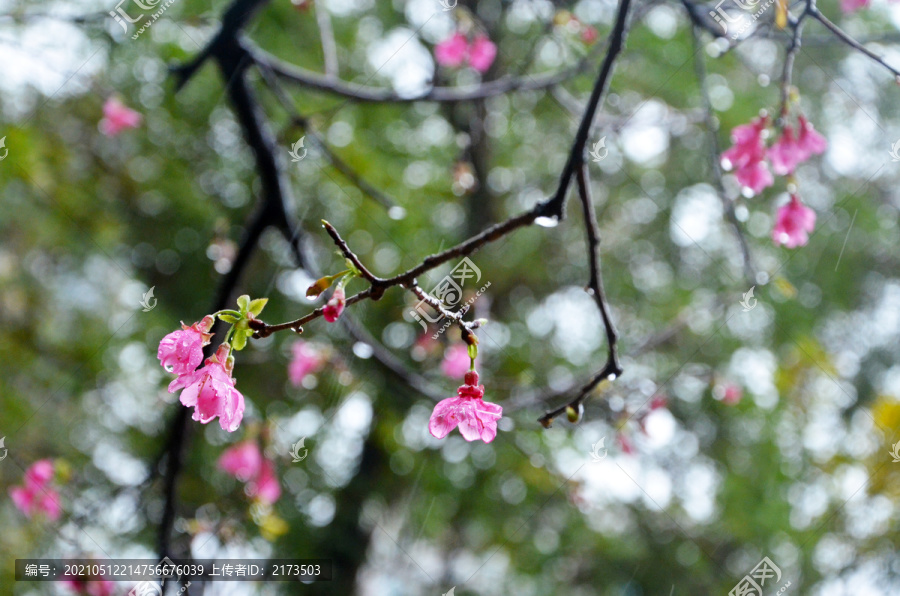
[210,390]
[36,495]
[245,461]
[750,158]
[457,50]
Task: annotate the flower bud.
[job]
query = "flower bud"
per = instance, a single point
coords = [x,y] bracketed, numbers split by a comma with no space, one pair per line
[574,414]
[321,284]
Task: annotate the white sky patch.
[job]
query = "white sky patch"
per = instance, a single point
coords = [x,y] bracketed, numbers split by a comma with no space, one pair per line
[45,54]
[402,58]
[755,369]
[696,216]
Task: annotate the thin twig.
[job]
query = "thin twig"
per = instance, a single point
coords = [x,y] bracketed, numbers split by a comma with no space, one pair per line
[841,35]
[715,152]
[555,206]
[611,369]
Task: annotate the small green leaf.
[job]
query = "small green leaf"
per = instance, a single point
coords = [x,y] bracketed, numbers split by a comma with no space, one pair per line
[239,341]
[244,303]
[257,305]
[229,318]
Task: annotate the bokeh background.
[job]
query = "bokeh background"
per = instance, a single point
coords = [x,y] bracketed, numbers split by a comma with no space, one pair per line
[690,496]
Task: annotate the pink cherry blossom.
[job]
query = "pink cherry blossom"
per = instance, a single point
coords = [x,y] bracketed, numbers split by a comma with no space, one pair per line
[809,140]
[625,443]
[181,352]
[589,34]
[749,146]
[793,223]
[243,461]
[39,473]
[306,359]
[452,51]
[785,154]
[853,5]
[335,306]
[731,395]
[482,53]
[36,495]
[658,401]
[755,176]
[476,418]
[456,361]
[747,156]
[211,392]
[265,487]
[118,117]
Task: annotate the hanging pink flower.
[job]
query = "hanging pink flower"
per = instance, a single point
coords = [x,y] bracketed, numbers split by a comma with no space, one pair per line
[732,394]
[36,496]
[853,5]
[306,359]
[747,156]
[785,154]
[476,418]
[211,391]
[452,51]
[625,443]
[243,461]
[181,352]
[118,117]
[755,177]
[793,223]
[335,306]
[265,487]
[456,361]
[809,140]
[39,473]
[482,53]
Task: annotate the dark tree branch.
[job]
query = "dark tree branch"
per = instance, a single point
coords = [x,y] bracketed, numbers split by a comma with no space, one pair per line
[611,369]
[555,206]
[362,93]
